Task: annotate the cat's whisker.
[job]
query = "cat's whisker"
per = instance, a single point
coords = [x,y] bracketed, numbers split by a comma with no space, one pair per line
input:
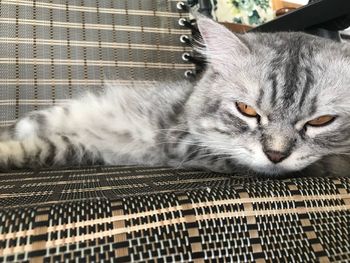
[186,157]
[218,157]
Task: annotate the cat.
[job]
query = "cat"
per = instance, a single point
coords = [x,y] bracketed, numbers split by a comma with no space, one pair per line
[270,103]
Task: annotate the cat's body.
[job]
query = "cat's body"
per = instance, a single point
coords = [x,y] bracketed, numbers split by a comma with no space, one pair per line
[125,125]
[282,82]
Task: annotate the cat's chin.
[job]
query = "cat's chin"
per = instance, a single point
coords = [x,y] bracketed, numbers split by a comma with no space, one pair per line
[273,169]
[270,170]
[278,169]
[292,164]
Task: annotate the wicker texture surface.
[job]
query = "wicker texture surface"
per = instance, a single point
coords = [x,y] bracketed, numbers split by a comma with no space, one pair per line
[138,214]
[53,50]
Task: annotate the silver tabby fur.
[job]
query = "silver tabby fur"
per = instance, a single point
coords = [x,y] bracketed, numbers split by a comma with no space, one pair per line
[289,78]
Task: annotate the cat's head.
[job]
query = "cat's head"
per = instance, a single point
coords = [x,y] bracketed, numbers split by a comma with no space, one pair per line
[273,102]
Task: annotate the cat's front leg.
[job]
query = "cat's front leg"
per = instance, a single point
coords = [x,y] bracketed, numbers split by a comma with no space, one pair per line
[45,138]
[54,150]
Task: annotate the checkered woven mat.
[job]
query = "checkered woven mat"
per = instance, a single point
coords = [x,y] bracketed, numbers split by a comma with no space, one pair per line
[132,214]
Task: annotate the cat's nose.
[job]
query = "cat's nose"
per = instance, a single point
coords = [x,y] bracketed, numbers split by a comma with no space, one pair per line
[275,156]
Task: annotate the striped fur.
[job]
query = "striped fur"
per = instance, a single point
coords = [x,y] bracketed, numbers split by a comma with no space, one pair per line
[289,78]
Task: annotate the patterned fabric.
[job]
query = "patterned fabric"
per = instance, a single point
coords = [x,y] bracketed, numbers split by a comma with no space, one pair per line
[248,12]
[163,215]
[52,50]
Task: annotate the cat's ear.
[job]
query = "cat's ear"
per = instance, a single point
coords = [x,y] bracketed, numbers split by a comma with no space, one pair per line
[221,44]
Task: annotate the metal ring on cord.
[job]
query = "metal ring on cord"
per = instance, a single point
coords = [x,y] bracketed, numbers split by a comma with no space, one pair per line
[188,73]
[186,56]
[185,39]
[181,6]
[182,21]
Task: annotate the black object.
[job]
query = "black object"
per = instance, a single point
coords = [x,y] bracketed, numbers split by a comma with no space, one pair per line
[192,2]
[205,7]
[321,17]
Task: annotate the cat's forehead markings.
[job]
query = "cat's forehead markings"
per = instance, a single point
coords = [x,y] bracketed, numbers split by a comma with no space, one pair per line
[273,86]
[260,98]
[313,105]
[271,91]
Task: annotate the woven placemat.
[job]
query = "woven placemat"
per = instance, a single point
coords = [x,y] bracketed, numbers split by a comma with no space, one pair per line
[135,214]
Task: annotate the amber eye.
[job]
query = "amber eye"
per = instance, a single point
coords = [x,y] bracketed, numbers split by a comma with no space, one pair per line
[321,121]
[246,110]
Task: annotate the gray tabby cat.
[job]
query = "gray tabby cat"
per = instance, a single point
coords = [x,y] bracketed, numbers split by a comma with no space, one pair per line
[272,103]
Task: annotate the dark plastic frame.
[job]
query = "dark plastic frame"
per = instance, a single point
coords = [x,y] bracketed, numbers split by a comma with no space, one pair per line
[323,17]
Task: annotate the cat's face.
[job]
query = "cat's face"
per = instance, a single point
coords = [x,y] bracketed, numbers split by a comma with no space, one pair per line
[273,102]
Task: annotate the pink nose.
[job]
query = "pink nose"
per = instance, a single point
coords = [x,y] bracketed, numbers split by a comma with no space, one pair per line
[275,156]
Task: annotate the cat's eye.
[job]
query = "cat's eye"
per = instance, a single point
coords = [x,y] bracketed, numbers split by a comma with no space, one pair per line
[246,109]
[321,121]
